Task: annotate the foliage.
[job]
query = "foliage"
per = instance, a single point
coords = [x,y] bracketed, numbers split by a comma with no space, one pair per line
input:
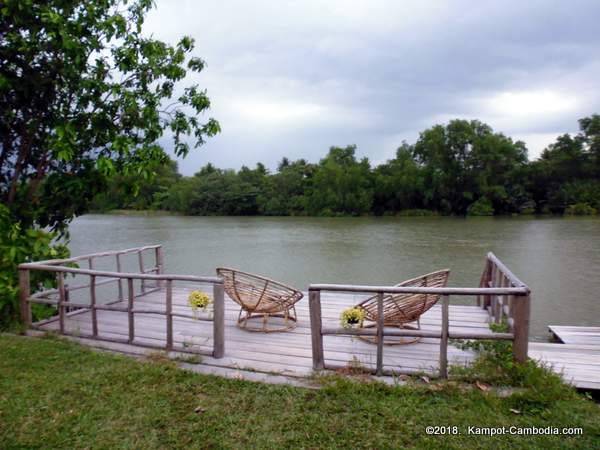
[465,161]
[352,316]
[108,401]
[459,168]
[568,171]
[341,185]
[84,94]
[580,209]
[482,207]
[495,365]
[129,192]
[198,300]
[417,213]
[19,245]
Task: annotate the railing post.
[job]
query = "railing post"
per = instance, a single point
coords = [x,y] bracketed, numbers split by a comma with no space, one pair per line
[218,320]
[444,337]
[93,304]
[169,311]
[380,326]
[61,300]
[68,308]
[504,282]
[522,310]
[483,282]
[120,282]
[158,255]
[499,306]
[511,306]
[493,298]
[130,309]
[24,297]
[142,281]
[314,305]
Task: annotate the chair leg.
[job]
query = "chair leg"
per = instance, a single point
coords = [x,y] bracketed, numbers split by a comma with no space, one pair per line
[264,319]
[398,341]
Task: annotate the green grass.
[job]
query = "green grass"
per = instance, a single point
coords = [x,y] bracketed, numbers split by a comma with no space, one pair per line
[56,394]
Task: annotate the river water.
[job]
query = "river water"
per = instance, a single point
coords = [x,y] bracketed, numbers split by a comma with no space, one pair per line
[559,258]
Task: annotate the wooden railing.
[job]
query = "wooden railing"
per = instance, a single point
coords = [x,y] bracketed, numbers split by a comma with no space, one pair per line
[517,310]
[155,273]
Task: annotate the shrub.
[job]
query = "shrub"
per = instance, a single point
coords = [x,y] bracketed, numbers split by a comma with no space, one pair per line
[417,213]
[482,207]
[17,246]
[580,209]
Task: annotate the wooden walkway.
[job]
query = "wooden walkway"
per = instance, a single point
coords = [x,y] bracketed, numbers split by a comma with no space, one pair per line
[576,335]
[286,353]
[277,357]
[576,358]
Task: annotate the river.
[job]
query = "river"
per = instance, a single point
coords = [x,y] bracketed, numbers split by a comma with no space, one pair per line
[559,258]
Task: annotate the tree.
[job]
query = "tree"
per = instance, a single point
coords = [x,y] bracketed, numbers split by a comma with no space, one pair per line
[568,171]
[341,185]
[464,161]
[398,183]
[83,94]
[127,192]
[284,191]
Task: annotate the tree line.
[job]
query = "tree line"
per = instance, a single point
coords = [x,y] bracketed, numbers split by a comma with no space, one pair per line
[462,168]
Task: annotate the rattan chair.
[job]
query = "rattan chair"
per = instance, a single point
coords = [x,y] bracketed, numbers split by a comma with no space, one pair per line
[260,297]
[402,310]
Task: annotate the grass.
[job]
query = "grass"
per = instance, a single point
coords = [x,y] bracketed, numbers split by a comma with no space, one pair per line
[57,394]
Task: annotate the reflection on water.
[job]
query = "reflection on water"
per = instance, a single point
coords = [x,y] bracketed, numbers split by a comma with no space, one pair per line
[559,258]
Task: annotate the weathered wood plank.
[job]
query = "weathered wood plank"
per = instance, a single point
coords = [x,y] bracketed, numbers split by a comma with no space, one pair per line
[314,298]
[576,335]
[444,340]
[130,317]
[24,297]
[219,321]
[61,299]
[169,311]
[380,330]
[521,328]
[93,305]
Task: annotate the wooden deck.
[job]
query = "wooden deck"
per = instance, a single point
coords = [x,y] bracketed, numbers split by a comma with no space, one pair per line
[578,365]
[576,335]
[277,357]
[576,358]
[285,353]
[141,321]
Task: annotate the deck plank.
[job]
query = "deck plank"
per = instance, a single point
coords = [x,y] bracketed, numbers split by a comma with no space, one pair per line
[576,335]
[289,354]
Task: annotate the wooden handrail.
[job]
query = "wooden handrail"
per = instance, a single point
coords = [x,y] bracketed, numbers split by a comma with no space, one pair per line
[511,276]
[122,275]
[96,255]
[508,294]
[418,290]
[154,273]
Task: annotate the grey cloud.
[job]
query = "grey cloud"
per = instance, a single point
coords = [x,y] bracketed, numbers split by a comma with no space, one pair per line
[323,73]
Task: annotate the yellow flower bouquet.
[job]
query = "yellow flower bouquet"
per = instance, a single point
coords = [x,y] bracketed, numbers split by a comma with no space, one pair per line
[352,317]
[198,300]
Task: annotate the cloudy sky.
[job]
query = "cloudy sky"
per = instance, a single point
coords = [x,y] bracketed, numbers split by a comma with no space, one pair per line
[292,78]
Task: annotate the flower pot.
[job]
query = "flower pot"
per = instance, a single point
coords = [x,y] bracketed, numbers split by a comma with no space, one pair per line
[204,313]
